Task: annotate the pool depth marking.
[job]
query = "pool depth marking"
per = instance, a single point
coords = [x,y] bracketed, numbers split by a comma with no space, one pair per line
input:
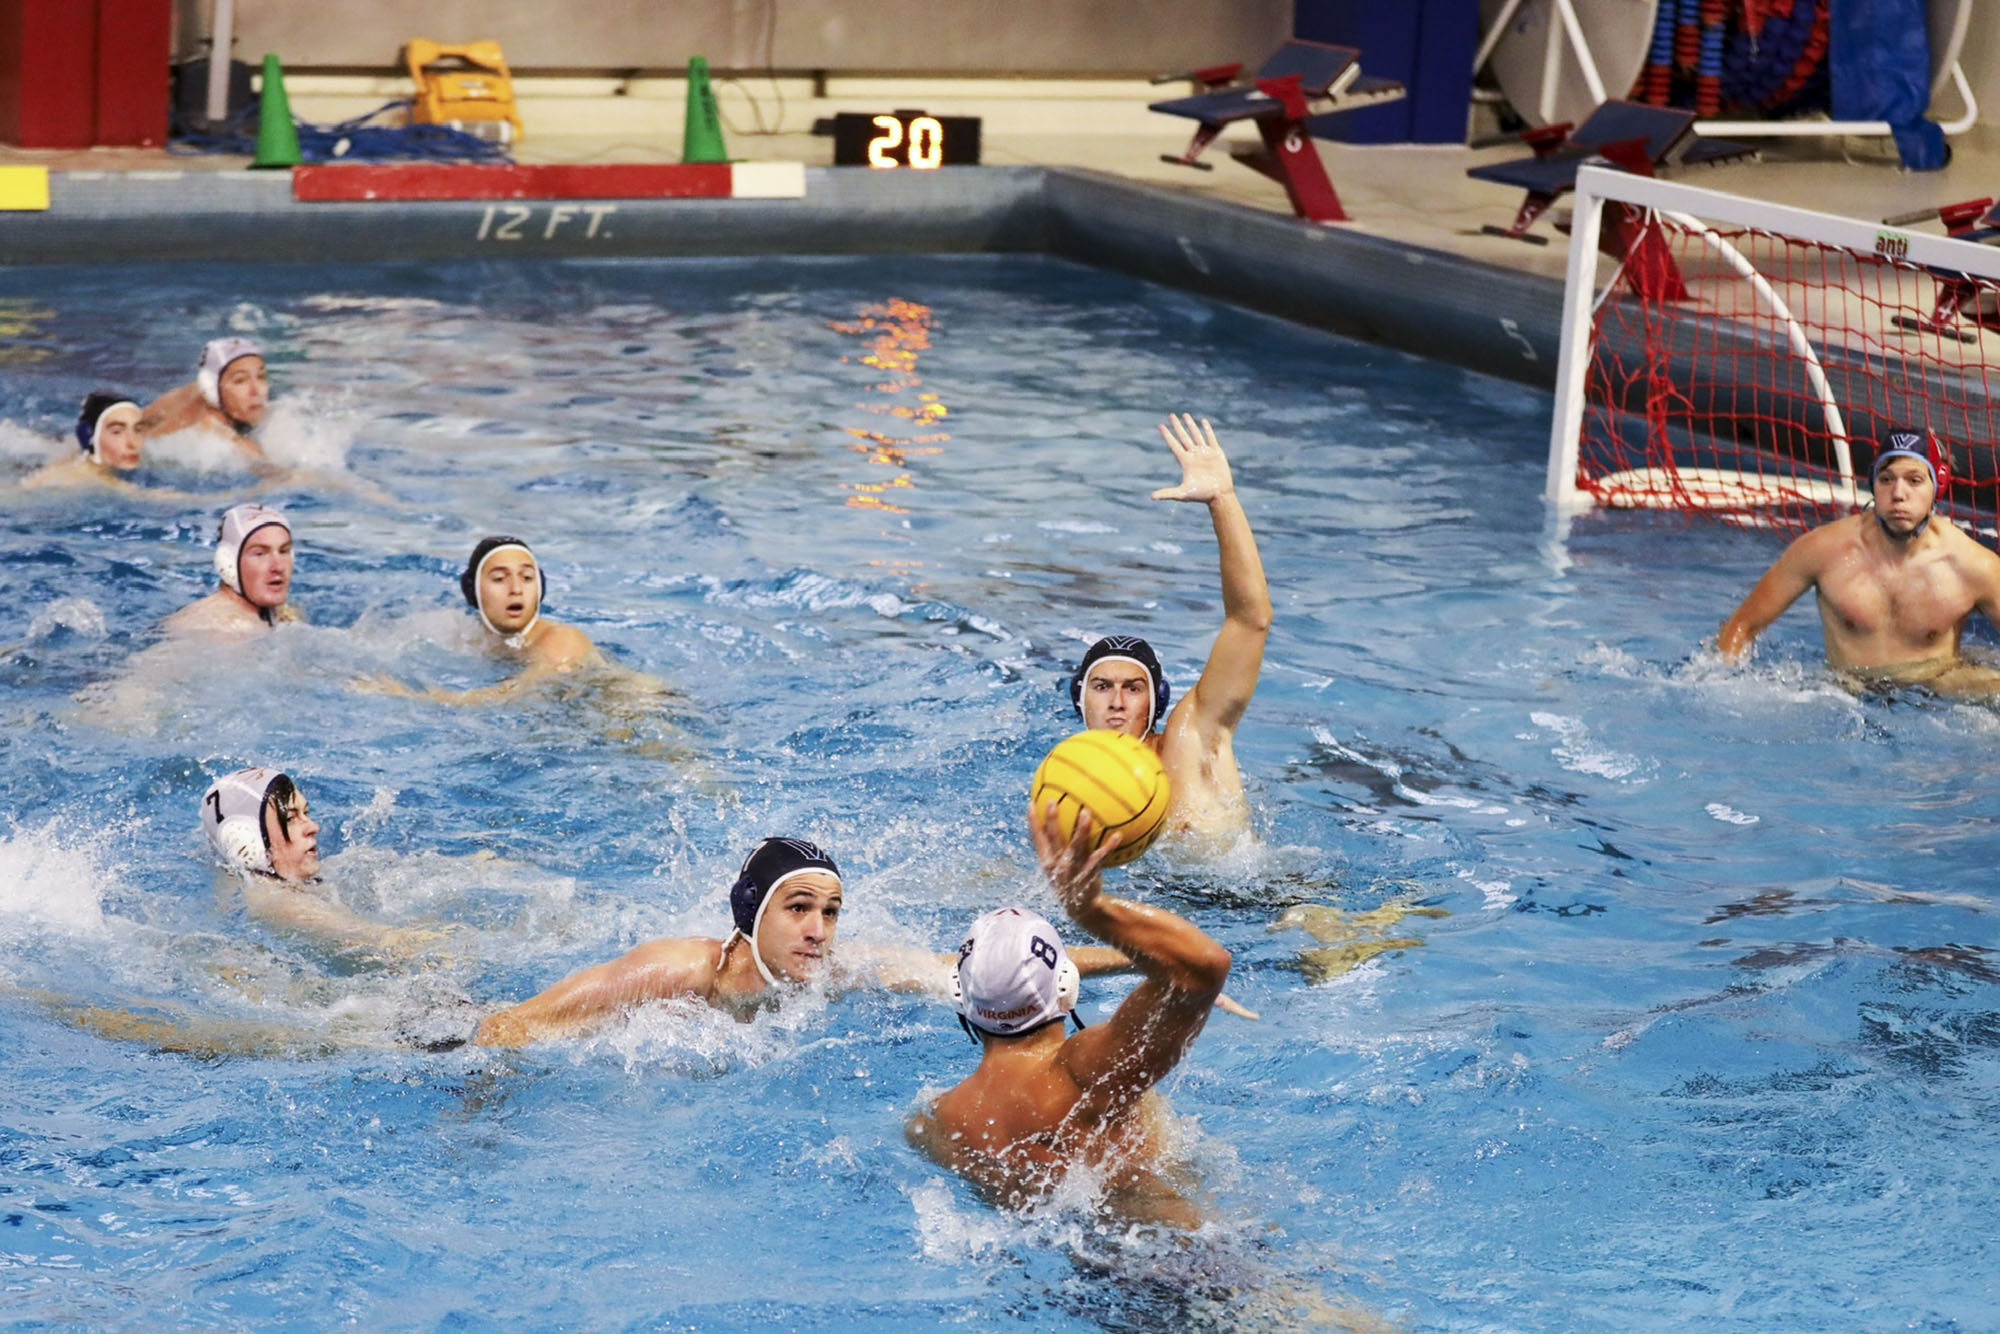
[512,217]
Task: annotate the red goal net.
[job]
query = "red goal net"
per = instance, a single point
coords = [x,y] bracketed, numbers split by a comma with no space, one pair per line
[1738,358]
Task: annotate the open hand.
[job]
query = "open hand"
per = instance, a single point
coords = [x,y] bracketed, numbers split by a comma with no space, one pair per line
[1072,865]
[1204,467]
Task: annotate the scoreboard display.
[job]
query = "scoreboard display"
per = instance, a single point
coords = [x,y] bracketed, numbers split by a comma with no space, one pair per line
[908,140]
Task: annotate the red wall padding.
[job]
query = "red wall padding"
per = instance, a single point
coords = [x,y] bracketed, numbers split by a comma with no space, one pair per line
[79,72]
[134,40]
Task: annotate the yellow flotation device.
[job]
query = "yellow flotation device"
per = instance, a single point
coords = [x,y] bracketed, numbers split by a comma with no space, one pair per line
[466,87]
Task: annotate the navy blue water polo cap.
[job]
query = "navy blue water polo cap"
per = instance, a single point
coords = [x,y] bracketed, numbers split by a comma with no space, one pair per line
[774,861]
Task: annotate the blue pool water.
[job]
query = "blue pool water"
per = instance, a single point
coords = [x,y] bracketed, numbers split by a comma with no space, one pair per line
[1688,1015]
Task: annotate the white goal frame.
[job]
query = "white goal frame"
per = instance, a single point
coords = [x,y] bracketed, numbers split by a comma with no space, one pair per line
[1598,185]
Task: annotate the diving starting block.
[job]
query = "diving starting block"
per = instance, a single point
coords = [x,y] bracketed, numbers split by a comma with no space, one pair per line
[1289,97]
[403,181]
[1634,136]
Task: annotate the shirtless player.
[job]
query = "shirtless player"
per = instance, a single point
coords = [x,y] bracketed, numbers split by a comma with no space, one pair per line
[1119,685]
[1043,1101]
[1895,584]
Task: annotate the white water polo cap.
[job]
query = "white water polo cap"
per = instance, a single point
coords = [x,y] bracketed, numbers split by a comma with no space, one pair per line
[232,815]
[1014,974]
[238,525]
[217,356]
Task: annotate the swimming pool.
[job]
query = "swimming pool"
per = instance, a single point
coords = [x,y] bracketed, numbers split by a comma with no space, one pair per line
[1695,1022]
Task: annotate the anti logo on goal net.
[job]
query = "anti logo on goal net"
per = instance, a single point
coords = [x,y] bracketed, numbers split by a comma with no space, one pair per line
[1733,357]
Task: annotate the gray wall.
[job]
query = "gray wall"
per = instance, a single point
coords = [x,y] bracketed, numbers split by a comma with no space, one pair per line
[886,36]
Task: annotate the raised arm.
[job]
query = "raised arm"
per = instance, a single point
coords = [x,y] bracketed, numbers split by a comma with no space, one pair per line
[1219,698]
[1183,971]
[1789,576]
[583,1000]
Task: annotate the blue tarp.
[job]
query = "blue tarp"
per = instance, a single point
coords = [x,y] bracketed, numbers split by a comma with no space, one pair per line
[1879,57]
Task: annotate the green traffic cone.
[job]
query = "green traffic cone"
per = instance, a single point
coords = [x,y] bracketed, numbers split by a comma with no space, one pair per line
[701,140]
[277,137]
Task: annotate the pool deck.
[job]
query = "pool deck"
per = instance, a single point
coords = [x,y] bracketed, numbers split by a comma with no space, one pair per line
[1413,270]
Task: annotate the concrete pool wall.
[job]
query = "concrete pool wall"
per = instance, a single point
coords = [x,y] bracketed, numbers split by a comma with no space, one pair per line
[1418,300]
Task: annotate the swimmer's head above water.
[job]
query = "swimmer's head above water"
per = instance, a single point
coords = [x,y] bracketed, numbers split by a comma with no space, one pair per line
[1013,975]
[502,581]
[1119,686]
[785,903]
[233,381]
[108,430]
[253,556]
[256,820]
[1903,504]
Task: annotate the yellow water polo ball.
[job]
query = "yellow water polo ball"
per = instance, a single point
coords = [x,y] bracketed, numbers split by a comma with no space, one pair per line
[1117,778]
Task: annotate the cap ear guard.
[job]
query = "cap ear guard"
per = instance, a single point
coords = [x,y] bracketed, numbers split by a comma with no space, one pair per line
[225,564]
[241,841]
[1069,984]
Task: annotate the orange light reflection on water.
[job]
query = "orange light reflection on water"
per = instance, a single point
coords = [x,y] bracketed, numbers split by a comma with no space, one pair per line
[898,333]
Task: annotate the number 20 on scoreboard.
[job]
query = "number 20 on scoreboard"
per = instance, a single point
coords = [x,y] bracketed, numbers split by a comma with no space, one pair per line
[918,144]
[904,139]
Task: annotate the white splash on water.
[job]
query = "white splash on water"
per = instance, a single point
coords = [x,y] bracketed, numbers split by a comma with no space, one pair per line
[1579,753]
[79,616]
[20,445]
[308,429]
[198,450]
[50,878]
